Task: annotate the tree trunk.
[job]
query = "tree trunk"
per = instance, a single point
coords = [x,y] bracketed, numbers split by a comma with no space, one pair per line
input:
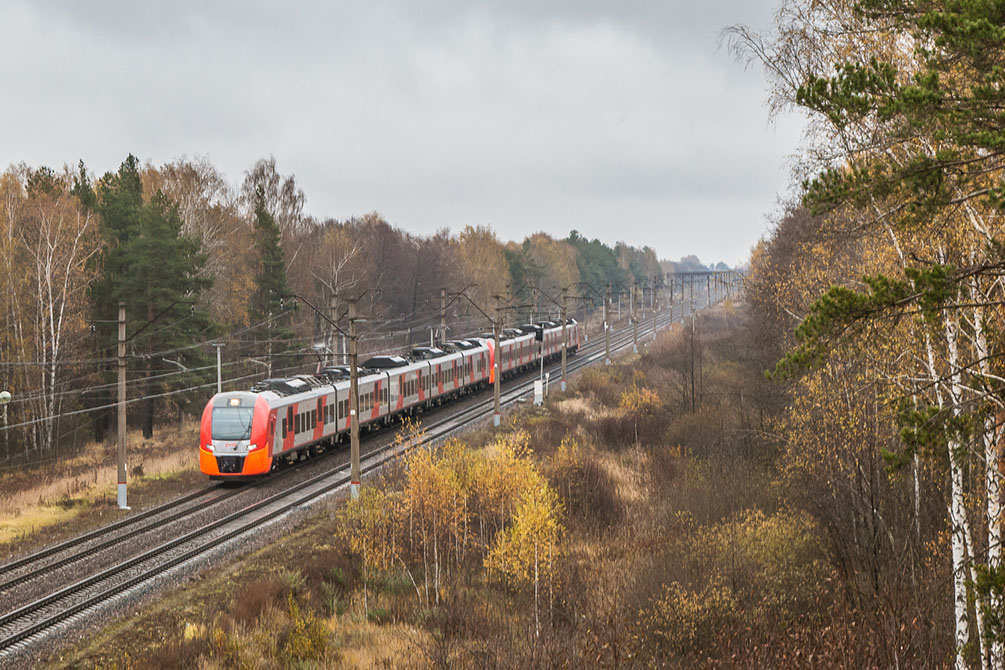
[957,506]
[537,618]
[992,480]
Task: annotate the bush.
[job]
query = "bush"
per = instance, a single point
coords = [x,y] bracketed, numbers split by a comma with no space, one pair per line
[773,562]
[379,615]
[178,654]
[546,433]
[603,385]
[588,492]
[614,431]
[294,580]
[685,621]
[331,599]
[254,597]
[306,638]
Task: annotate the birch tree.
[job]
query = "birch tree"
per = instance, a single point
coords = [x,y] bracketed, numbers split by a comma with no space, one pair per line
[49,239]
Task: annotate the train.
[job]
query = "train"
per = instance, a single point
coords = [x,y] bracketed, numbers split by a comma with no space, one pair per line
[247,434]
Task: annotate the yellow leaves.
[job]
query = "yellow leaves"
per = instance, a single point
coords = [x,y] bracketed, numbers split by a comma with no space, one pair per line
[483,262]
[639,400]
[366,523]
[529,546]
[684,619]
[454,502]
[556,258]
[433,489]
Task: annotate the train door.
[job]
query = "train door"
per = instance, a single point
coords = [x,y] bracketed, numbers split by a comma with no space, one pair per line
[270,438]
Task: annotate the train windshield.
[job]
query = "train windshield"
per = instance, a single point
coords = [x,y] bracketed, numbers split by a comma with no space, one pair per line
[232,423]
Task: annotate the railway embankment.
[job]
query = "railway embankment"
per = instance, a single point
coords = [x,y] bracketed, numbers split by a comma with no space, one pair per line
[634,521]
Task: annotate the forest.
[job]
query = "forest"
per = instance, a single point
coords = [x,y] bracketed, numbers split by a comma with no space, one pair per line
[197,260]
[879,288]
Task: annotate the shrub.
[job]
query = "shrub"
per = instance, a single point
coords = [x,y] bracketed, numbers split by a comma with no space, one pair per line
[614,431]
[588,492]
[293,579]
[306,638]
[603,385]
[685,621]
[331,599]
[379,615]
[252,598]
[546,433]
[178,654]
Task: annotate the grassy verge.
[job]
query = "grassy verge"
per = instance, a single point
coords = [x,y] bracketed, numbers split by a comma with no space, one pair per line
[43,504]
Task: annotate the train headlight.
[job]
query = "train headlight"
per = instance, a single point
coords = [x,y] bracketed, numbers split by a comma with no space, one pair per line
[209,447]
[252,447]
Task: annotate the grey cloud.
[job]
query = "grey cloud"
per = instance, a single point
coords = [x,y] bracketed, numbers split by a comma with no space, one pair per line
[522,114]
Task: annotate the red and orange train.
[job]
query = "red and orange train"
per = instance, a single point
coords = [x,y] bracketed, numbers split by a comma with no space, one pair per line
[248,433]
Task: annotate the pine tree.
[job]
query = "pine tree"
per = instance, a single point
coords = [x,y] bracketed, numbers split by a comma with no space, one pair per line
[152,268]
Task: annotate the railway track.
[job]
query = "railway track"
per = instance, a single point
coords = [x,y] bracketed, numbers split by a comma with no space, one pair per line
[22,626]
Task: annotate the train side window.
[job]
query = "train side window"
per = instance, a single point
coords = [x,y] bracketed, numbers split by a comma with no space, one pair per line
[284,426]
[296,424]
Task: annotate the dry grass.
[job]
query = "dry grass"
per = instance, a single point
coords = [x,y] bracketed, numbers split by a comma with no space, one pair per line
[35,499]
[369,646]
[575,405]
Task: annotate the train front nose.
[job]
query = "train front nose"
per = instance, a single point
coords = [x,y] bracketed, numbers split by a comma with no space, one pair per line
[230,444]
[230,456]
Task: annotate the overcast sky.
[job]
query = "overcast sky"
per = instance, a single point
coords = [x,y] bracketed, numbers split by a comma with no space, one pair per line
[624,120]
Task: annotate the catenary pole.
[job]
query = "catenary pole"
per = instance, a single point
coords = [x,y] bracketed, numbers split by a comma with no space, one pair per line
[443,316]
[219,368]
[634,320]
[354,478]
[607,330]
[120,452]
[565,339]
[496,327]
[332,334]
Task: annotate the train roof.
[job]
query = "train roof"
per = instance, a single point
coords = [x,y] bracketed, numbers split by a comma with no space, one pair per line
[334,373]
[288,385]
[463,345]
[384,362]
[427,353]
